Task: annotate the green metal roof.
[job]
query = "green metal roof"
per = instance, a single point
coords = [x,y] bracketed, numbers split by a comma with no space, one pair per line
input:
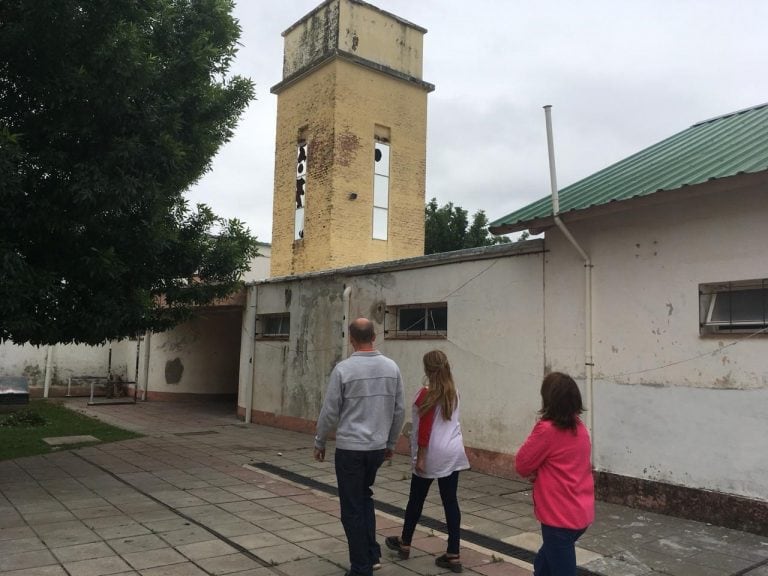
[728,145]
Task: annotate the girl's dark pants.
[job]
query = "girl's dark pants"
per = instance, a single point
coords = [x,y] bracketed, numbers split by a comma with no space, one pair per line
[419,488]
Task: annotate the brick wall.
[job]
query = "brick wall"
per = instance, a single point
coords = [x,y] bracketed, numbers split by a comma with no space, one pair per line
[337,108]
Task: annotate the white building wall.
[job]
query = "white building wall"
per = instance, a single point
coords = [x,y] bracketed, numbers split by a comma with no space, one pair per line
[670,405]
[258,268]
[494,343]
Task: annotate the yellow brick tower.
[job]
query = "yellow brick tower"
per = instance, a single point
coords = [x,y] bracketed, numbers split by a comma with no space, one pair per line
[351,140]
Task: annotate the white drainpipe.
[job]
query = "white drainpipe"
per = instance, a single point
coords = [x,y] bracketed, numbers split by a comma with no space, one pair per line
[588,361]
[345,322]
[247,349]
[48,370]
[147,344]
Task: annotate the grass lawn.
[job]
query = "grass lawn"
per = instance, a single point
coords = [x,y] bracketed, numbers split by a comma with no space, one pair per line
[22,430]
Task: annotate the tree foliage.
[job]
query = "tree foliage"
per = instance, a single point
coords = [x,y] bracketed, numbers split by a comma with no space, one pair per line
[447,228]
[109,111]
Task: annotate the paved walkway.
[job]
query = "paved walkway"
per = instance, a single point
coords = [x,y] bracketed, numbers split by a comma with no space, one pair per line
[203,493]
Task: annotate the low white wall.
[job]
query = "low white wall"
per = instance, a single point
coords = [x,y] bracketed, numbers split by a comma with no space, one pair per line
[68,360]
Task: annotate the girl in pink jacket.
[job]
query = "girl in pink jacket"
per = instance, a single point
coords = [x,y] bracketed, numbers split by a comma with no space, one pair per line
[556,457]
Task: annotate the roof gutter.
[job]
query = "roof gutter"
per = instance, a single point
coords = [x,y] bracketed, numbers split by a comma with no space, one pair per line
[588,360]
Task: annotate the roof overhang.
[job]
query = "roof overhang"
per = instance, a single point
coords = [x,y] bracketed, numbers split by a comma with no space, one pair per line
[714,186]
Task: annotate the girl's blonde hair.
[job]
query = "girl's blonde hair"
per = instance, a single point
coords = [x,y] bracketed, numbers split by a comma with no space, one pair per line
[441,389]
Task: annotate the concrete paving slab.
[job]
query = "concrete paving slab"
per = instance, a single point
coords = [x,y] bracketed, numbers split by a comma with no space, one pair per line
[121,531]
[254,572]
[206,549]
[324,545]
[16,533]
[187,535]
[40,571]
[276,555]
[185,569]
[83,552]
[137,544]
[65,440]
[21,545]
[260,540]
[24,560]
[224,564]
[97,566]
[299,534]
[311,567]
[238,528]
[153,558]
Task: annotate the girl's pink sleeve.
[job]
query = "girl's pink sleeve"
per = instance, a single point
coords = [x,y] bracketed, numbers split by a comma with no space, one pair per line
[533,452]
[425,421]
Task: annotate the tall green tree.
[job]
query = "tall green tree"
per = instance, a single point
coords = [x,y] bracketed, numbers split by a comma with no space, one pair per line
[109,111]
[447,228]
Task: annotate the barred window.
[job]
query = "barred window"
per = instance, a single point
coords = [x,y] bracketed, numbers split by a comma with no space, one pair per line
[421,321]
[273,326]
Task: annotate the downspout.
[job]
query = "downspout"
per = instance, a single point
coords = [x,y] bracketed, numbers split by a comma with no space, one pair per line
[147,343]
[248,349]
[588,361]
[345,321]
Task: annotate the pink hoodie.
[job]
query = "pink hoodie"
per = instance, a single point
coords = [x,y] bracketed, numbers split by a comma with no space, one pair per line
[563,491]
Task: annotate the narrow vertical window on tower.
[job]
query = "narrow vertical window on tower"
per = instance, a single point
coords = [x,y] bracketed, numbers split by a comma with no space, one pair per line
[380,189]
[301,189]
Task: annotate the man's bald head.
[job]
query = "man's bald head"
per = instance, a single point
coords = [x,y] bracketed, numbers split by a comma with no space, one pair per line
[361,331]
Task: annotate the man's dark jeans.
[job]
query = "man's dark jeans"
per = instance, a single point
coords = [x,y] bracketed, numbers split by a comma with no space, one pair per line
[355,474]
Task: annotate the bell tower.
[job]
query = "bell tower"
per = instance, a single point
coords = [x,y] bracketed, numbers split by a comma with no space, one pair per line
[350,152]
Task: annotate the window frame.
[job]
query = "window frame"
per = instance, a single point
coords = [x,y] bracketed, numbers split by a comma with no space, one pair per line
[380,190]
[263,323]
[711,296]
[395,333]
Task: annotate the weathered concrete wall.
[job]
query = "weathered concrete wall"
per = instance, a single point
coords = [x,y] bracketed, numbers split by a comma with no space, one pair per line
[357,28]
[200,356]
[494,342]
[670,405]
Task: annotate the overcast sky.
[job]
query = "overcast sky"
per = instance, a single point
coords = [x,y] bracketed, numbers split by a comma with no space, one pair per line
[620,75]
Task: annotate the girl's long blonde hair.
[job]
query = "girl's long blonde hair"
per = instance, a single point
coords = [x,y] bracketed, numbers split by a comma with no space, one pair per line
[441,389]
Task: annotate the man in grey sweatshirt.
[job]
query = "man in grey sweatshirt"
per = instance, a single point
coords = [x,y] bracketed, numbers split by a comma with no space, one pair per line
[364,403]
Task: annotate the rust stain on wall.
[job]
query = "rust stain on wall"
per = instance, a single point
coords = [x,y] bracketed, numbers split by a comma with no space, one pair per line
[347,145]
[378,311]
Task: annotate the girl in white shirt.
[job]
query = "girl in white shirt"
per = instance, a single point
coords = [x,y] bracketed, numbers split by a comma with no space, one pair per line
[437,451]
